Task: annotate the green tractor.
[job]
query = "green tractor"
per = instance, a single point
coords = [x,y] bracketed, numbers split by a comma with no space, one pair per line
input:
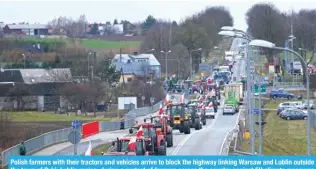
[195,118]
[179,119]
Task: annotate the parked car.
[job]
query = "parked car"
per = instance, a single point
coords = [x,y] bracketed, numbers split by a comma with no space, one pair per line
[285,106]
[298,104]
[311,105]
[281,94]
[293,114]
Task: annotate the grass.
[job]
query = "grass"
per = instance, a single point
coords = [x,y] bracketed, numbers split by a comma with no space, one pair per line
[88,43]
[281,137]
[48,117]
[102,148]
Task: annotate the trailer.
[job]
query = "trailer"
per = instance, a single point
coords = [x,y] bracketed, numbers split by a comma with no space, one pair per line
[236,89]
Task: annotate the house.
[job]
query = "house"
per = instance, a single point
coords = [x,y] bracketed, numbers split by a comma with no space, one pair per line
[26,29]
[127,77]
[1,26]
[139,65]
[36,89]
[116,29]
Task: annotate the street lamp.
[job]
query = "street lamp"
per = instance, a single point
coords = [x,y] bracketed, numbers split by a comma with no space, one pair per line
[270,45]
[199,49]
[232,29]
[166,55]
[230,32]
[89,62]
[23,60]
[151,50]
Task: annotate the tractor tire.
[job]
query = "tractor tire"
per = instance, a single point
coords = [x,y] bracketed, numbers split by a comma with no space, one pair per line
[197,124]
[204,121]
[181,129]
[169,139]
[186,127]
[162,150]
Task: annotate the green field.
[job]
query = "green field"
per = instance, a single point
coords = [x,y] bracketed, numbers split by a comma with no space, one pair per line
[282,137]
[109,44]
[48,117]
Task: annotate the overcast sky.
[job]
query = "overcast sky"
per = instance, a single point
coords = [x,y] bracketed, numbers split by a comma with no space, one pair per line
[102,11]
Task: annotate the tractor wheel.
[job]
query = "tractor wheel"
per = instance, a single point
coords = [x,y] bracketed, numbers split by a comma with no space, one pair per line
[197,124]
[204,121]
[162,150]
[186,127]
[169,139]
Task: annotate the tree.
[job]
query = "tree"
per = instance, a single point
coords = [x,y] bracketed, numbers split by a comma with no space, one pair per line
[148,23]
[212,20]
[304,28]
[179,59]
[158,38]
[107,71]
[72,28]
[84,97]
[115,22]
[266,22]
[6,135]
[192,36]
[17,94]
[95,29]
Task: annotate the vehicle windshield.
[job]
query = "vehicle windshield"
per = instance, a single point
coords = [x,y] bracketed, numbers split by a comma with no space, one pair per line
[124,146]
[146,132]
[139,146]
[175,110]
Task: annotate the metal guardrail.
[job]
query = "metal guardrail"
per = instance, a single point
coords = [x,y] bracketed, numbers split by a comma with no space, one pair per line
[289,85]
[54,137]
[231,135]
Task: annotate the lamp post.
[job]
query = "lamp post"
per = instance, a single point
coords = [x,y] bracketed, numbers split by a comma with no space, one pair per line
[231,32]
[89,62]
[270,45]
[151,50]
[166,55]
[191,69]
[23,60]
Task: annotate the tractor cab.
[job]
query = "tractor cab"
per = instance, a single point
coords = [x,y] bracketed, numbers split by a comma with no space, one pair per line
[122,147]
[180,119]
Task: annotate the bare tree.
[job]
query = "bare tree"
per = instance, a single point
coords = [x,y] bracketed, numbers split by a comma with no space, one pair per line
[178,60]
[110,30]
[72,28]
[18,95]
[6,135]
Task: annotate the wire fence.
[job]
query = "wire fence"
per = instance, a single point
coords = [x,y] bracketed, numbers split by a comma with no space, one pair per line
[54,137]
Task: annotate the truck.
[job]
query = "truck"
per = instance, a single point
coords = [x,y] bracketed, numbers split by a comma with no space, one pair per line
[236,89]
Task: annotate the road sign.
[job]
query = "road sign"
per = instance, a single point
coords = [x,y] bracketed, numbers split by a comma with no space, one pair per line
[263,88]
[74,137]
[75,124]
[256,111]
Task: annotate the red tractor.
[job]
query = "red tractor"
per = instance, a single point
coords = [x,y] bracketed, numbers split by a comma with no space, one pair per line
[163,127]
[122,148]
[155,140]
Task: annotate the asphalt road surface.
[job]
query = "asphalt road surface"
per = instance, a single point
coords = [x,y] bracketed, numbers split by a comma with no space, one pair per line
[209,140]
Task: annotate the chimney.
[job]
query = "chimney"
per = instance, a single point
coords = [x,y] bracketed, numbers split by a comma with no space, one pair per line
[135,53]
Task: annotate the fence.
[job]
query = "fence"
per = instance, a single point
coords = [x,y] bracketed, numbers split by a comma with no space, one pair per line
[58,136]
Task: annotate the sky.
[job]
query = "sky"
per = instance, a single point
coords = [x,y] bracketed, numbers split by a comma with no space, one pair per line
[133,11]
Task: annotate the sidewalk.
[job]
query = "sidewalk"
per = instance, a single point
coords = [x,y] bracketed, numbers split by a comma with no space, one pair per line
[102,137]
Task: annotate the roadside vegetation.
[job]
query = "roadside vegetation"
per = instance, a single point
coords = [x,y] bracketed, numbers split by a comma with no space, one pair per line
[101,148]
[281,137]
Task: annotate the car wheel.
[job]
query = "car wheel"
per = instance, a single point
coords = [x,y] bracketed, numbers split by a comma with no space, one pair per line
[288,118]
[274,97]
[305,118]
[288,97]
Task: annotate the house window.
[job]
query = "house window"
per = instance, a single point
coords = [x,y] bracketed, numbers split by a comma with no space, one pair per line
[129,79]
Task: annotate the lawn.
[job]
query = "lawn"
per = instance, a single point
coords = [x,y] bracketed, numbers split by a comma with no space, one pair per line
[48,117]
[102,148]
[109,44]
[282,137]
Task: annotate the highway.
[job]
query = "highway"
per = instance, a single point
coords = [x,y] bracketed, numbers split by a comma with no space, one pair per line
[208,141]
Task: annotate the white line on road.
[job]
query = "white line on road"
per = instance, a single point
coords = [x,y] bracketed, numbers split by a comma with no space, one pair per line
[180,145]
[223,142]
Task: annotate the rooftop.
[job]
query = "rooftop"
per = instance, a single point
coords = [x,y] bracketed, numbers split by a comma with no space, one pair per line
[125,58]
[27,26]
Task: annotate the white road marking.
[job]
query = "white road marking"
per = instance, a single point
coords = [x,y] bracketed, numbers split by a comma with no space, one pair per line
[223,142]
[180,145]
